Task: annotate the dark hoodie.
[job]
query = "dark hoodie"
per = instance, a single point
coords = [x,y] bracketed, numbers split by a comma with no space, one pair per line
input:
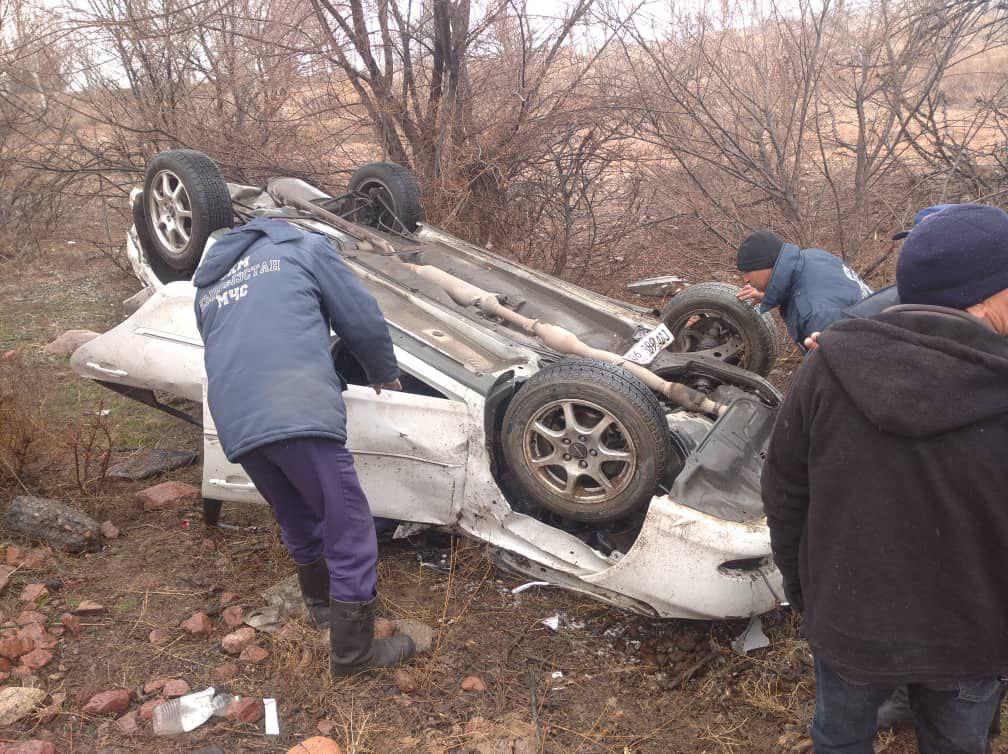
[885,490]
[267,297]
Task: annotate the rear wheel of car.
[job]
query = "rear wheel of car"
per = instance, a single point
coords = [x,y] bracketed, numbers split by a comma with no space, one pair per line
[708,319]
[387,197]
[185,200]
[586,440]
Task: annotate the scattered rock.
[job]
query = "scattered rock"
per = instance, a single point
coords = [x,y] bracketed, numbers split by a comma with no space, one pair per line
[473,683]
[233,616]
[325,727]
[253,654]
[18,701]
[14,555]
[156,685]
[236,641]
[29,616]
[5,574]
[227,598]
[245,710]
[32,592]
[224,673]
[108,702]
[198,625]
[405,681]
[69,341]
[35,660]
[383,628]
[54,523]
[9,355]
[146,711]
[316,745]
[151,462]
[265,619]
[159,636]
[34,746]
[109,530]
[71,622]
[168,495]
[88,607]
[175,687]
[5,665]
[13,647]
[37,634]
[127,724]
[421,634]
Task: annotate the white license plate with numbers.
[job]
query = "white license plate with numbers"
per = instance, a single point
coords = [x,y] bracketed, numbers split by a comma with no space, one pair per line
[647,348]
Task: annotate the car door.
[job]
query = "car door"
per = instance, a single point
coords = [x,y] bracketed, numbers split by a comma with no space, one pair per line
[410,450]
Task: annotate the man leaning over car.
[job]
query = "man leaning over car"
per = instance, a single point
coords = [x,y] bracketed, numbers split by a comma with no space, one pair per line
[267,297]
[884,492]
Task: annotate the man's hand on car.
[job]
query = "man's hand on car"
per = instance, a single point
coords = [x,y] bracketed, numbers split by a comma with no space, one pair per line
[812,341]
[393,385]
[750,294]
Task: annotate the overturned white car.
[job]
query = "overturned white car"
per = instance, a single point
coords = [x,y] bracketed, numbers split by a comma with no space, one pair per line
[640,488]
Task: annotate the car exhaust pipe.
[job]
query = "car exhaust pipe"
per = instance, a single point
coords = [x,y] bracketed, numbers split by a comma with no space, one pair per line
[564,341]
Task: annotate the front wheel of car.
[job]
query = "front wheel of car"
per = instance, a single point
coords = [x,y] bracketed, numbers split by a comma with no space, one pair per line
[185,200]
[586,440]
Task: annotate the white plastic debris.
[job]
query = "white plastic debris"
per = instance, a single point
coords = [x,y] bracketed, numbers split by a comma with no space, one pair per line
[552,623]
[272,721]
[188,712]
[523,587]
[751,638]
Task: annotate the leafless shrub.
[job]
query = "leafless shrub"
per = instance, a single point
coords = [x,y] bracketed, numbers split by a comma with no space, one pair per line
[90,444]
[22,431]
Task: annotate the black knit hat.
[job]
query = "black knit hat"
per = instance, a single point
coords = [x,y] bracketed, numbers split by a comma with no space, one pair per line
[759,251]
[958,258]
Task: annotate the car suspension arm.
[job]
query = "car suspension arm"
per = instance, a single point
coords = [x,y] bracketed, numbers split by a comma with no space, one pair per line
[562,340]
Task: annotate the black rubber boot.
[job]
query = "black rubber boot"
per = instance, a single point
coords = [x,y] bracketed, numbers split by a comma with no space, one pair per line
[314,581]
[352,646]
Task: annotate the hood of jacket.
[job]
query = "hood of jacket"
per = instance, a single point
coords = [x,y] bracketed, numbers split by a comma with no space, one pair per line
[235,243]
[920,371]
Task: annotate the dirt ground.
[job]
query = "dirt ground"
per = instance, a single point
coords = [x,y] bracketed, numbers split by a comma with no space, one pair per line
[606,681]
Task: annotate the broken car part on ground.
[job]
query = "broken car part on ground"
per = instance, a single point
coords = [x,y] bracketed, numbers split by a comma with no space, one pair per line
[576,471]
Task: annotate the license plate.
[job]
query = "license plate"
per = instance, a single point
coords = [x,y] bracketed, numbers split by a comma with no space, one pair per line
[647,348]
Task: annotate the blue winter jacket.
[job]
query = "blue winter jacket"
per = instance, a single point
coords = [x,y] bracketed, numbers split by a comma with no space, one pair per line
[812,288]
[267,296]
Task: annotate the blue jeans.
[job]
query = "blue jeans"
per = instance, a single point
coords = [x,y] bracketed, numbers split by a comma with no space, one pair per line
[953,719]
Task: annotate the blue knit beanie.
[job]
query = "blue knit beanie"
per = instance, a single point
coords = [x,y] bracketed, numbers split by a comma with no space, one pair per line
[958,258]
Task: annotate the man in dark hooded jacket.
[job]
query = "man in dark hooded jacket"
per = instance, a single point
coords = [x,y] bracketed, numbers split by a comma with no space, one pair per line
[267,297]
[884,492]
[810,287]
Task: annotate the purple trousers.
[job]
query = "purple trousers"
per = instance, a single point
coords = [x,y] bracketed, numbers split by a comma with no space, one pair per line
[312,486]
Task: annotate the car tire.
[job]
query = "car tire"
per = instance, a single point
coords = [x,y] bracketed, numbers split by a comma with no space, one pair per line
[396,192]
[551,418]
[185,200]
[708,315]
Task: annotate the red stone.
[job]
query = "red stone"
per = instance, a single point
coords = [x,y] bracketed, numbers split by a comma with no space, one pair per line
[175,687]
[254,654]
[233,616]
[108,702]
[168,495]
[72,622]
[34,746]
[14,647]
[236,641]
[35,660]
[245,710]
[33,592]
[146,711]
[198,625]
[159,636]
[127,724]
